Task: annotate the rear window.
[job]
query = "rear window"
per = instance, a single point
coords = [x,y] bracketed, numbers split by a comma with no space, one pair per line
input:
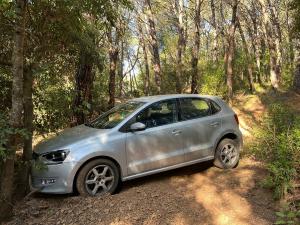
[192,108]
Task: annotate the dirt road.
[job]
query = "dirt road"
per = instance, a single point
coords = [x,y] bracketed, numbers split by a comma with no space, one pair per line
[200,194]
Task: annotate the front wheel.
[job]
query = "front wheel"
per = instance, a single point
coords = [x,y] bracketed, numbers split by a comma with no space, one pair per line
[98,177]
[227,154]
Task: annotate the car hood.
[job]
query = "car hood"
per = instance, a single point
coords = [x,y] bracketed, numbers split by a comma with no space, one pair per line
[68,137]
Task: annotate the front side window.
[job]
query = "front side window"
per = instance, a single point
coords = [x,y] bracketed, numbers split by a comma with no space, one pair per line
[192,108]
[115,116]
[158,114]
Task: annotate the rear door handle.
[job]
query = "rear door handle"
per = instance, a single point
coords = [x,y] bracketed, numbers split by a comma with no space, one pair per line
[176,132]
[214,124]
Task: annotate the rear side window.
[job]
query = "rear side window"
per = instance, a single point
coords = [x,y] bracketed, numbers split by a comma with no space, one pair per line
[215,108]
[192,108]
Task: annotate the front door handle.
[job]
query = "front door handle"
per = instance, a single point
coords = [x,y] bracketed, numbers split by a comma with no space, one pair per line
[214,124]
[176,132]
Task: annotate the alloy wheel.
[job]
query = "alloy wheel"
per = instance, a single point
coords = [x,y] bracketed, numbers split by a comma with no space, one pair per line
[228,154]
[99,180]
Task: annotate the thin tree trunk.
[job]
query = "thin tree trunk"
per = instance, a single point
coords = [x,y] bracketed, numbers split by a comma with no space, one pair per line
[180,44]
[154,46]
[268,32]
[120,71]
[289,35]
[215,32]
[84,79]
[28,125]
[277,36]
[113,61]
[15,121]
[230,50]
[248,57]
[145,55]
[256,43]
[195,50]
[297,76]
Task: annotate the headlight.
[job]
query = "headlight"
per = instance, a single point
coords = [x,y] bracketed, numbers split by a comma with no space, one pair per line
[55,157]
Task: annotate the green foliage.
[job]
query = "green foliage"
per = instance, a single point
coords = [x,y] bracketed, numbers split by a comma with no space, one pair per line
[212,80]
[289,215]
[5,132]
[278,142]
[52,100]
[295,7]
[286,78]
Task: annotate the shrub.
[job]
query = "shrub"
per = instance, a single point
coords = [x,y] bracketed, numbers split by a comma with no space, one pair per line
[278,142]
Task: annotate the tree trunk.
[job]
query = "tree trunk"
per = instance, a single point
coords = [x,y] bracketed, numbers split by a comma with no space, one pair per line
[120,70]
[277,36]
[215,32]
[154,47]
[84,79]
[180,44]
[297,76]
[113,61]
[145,55]
[248,57]
[271,42]
[195,50]
[230,50]
[28,125]
[289,35]
[16,110]
[256,44]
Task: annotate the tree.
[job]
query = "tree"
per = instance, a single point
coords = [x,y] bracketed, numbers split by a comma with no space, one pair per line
[17,107]
[154,45]
[229,54]
[179,12]
[145,54]
[296,33]
[195,48]
[248,56]
[84,78]
[113,39]
[215,27]
[269,36]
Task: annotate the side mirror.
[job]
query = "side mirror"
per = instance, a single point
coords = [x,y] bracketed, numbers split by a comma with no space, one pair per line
[137,127]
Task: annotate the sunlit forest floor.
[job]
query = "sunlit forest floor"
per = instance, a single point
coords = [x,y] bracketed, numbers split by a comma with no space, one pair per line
[199,194]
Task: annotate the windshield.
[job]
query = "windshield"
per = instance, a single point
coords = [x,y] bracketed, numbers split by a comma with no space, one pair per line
[115,116]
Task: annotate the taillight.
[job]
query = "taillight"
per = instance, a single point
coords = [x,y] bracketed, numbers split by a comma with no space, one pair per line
[236,119]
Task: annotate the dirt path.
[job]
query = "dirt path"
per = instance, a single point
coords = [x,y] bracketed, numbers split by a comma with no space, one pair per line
[199,194]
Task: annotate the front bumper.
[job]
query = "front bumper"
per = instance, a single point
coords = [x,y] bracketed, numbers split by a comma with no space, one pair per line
[56,179]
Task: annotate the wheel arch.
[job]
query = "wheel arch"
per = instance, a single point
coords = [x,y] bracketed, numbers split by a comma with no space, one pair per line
[91,159]
[229,135]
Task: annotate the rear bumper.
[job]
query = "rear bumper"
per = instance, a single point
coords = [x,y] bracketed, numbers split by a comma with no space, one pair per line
[56,179]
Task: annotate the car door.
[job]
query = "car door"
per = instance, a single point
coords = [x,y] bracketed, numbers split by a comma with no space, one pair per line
[199,127]
[160,144]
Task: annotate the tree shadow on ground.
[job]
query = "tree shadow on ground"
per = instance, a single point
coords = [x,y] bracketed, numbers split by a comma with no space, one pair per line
[198,194]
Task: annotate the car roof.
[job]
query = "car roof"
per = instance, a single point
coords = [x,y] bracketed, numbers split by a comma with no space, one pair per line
[155,98]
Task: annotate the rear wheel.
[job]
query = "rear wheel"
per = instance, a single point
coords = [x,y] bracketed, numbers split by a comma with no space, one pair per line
[98,177]
[227,154]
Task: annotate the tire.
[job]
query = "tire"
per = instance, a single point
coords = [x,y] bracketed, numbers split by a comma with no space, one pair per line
[229,160]
[100,174]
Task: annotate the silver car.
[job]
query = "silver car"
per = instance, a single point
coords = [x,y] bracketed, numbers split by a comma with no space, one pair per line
[140,137]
